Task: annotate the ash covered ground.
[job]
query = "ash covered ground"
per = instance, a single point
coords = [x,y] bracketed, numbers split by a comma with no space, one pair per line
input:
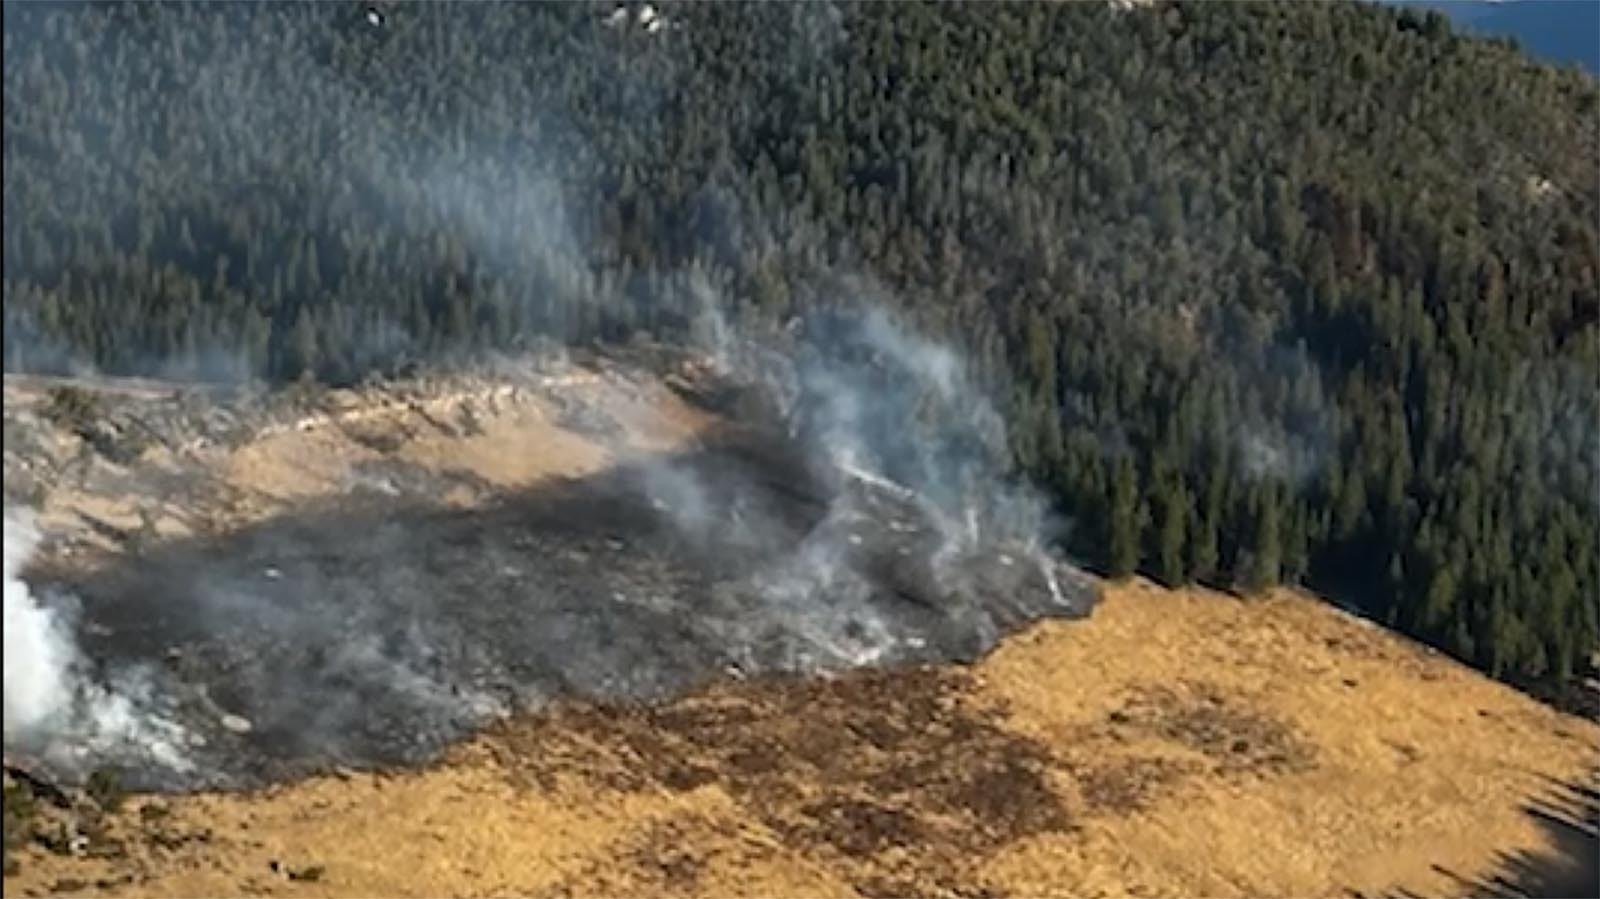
[375,630]
[377,634]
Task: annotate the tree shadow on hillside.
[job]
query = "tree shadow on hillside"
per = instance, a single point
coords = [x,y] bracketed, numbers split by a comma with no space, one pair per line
[1569,815]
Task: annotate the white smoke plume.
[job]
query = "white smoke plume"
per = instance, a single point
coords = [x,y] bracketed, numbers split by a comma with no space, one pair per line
[887,409]
[38,648]
[54,711]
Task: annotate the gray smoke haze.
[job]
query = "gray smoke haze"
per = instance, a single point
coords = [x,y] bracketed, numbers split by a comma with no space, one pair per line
[33,349]
[871,405]
[906,537]
[874,403]
[349,642]
[1293,443]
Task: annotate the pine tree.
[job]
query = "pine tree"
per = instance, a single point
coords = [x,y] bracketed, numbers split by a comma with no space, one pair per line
[303,357]
[1351,510]
[1266,552]
[1124,550]
[1204,555]
[1439,606]
[1175,517]
[1296,548]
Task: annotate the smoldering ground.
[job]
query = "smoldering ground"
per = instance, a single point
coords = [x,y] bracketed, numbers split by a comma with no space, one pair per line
[376,634]
[862,513]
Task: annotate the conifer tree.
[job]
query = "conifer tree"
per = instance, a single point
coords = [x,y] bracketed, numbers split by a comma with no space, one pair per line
[1124,553]
[1174,522]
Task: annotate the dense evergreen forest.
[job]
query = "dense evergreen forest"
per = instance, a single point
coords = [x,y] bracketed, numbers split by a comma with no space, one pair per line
[1297,292]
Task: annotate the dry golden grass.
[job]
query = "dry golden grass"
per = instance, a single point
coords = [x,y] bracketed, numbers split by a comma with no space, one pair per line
[518,437]
[1175,744]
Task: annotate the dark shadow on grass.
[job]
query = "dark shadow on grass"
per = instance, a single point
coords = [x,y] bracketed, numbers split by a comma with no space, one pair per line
[1568,813]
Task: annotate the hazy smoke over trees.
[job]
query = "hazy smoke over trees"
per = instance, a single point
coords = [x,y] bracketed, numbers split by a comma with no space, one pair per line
[1220,327]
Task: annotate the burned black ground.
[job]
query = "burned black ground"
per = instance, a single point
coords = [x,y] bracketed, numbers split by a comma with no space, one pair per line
[377,630]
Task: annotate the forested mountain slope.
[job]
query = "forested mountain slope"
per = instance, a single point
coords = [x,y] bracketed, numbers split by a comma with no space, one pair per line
[1287,292]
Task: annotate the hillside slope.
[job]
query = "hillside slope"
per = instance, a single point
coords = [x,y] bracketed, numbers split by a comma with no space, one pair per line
[1174,743]
[1301,293]
[1177,743]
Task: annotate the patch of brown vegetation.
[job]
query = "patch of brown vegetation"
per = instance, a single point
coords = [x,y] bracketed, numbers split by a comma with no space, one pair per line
[862,770]
[1129,785]
[1198,716]
[855,827]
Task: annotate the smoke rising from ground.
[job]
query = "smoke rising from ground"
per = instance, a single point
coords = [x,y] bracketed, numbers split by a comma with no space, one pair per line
[38,649]
[56,709]
[380,634]
[887,526]
[902,534]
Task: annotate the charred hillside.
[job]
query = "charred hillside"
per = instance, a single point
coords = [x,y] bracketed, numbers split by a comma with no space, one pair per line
[1271,293]
[357,579]
[380,632]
